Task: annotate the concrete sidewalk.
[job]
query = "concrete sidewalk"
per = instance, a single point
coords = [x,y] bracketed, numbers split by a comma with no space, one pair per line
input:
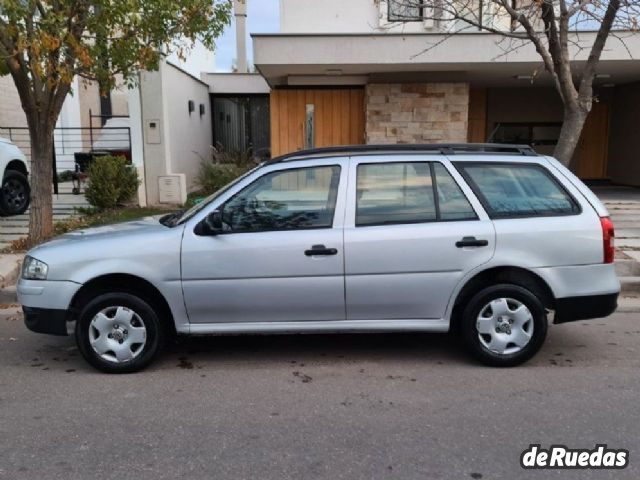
[623,204]
[9,269]
[65,205]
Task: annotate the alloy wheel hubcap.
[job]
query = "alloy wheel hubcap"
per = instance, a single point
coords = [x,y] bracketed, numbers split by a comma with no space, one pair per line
[117,334]
[14,193]
[505,326]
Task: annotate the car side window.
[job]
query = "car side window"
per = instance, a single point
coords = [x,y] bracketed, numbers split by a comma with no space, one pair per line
[452,203]
[298,198]
[513,190]
[408,192]
[389,193]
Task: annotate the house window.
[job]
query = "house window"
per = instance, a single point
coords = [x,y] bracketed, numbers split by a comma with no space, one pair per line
[405,10]
[528,133]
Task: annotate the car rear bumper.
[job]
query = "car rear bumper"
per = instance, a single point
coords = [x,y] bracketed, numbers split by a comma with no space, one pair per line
[46,320]
[571,309]
[581,280]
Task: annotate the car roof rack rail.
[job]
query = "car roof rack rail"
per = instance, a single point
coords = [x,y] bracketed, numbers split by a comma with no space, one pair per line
[442,148]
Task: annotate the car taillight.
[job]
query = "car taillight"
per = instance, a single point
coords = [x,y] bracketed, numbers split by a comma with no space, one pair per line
[607,239]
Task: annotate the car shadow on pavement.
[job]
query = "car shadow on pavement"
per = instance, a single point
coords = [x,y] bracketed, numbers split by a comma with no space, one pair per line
[428,347]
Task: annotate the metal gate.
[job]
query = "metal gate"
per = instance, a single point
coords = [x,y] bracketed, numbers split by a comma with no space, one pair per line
[110,135]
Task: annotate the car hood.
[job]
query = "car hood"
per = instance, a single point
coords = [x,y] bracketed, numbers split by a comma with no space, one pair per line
[111,232]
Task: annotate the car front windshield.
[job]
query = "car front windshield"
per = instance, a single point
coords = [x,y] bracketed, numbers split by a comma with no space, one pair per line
[200,205]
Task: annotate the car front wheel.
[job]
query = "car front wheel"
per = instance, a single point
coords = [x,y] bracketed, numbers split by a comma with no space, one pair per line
[119,333]
[504,325]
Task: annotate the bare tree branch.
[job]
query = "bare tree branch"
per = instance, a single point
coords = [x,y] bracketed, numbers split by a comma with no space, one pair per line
[556,29]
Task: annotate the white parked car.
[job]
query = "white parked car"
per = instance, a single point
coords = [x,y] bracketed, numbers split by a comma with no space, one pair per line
[488,240]
[14,189]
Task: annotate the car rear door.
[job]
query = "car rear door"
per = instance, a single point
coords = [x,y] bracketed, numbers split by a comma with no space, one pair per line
[413,229]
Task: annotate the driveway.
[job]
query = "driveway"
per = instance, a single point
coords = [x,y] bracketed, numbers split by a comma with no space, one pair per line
[367,406]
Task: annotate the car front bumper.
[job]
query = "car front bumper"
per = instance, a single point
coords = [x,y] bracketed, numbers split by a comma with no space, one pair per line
[46,320]
[45,304]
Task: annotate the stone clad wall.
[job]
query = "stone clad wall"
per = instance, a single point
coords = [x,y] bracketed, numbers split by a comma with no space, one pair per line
[416,113]
[11,114]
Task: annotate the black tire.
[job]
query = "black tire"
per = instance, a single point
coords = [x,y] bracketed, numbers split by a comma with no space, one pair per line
[155,332]
[15,193]
[472,337]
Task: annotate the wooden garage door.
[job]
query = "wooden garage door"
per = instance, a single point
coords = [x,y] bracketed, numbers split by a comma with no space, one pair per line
[594,142]
[477,129]
[337,117]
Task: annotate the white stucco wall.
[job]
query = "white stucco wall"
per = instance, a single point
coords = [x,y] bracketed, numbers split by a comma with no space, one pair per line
[11,114]
[235,83]
[134,105]
[155,149]
[190,134]
[343,16]
[182,139]
[328,16]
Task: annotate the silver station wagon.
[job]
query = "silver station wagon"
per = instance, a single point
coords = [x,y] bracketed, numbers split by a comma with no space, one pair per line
[492,242]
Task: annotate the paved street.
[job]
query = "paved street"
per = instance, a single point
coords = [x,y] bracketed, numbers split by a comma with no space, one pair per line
[368,406]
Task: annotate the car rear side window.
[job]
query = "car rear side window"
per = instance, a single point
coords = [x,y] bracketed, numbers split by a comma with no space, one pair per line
[513,190]
[452,204]
[408,192]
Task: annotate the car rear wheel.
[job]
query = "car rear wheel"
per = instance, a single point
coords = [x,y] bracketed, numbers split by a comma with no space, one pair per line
[119,333]
[504,325]
[14,193]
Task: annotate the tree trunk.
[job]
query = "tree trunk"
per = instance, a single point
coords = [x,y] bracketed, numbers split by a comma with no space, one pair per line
[569,134]
[41,215]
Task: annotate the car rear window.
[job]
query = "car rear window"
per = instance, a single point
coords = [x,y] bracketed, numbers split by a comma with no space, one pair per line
[512,190]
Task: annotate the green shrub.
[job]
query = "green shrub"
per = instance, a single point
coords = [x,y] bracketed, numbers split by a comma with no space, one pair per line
[214,176]
[111,182]
[65,176]
[223,167]
[240,159]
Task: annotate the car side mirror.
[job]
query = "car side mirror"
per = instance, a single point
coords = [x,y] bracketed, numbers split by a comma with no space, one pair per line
[211,225]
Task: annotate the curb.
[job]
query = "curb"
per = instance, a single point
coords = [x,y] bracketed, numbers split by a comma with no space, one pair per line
[628,304]
[9,269]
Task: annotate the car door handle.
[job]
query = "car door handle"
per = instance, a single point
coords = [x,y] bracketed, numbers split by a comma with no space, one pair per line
[320,250]
[471,242]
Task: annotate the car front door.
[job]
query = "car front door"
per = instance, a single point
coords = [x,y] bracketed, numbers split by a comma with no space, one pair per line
[280,255]
[412,231]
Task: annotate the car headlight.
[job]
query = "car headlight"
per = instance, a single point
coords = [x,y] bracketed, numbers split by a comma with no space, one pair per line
[33,269]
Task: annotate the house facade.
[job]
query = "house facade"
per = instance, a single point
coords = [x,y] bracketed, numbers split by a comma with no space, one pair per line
[368,71]
[163,125]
